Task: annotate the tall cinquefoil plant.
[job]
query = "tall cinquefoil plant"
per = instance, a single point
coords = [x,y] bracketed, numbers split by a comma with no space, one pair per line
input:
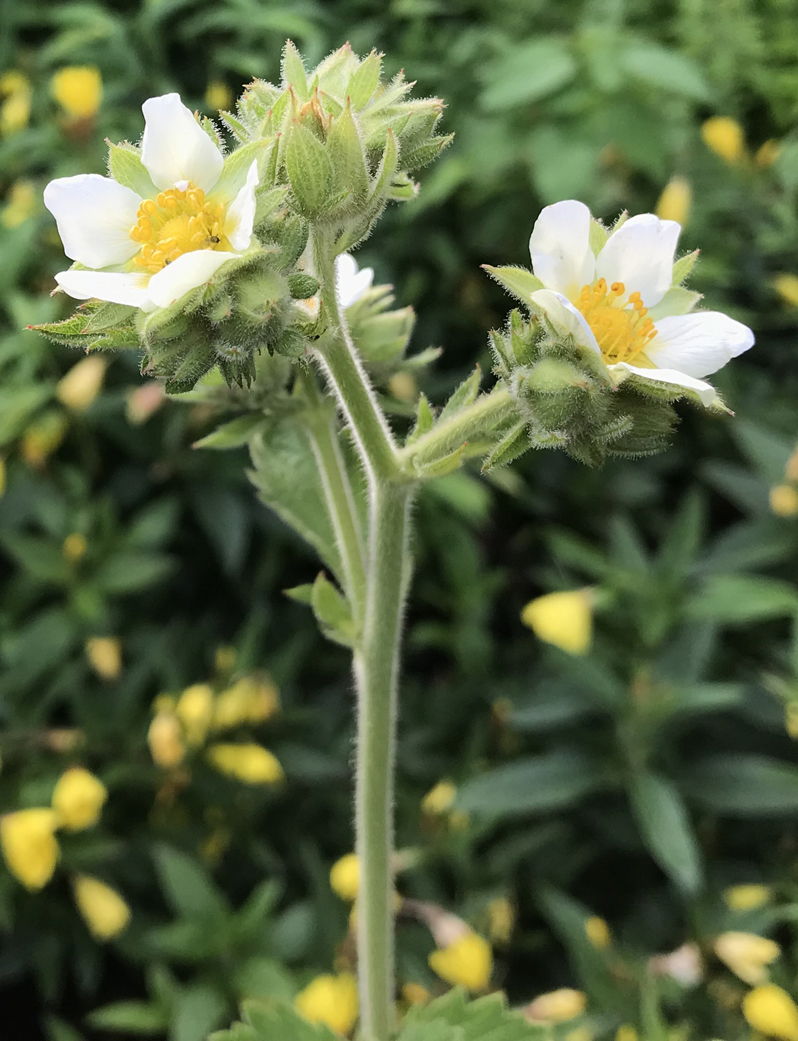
[229,272]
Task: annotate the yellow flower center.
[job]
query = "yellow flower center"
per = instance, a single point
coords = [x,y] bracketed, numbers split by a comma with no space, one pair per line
[618,322]
[178,221]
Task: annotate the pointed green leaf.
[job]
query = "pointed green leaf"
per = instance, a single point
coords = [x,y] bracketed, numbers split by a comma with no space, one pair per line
[683,266]
[364,80]
[666,830]
[516,280]
[514,443]
[463,395]
[332,612]
[293,69]
[387,168]
[126,167]
[233,434]
[454,1018]
[348,158]
[424,419]
[309,169]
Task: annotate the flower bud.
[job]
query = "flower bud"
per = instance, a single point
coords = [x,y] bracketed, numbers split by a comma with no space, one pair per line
[466,962]
[501,916]
[81,385]
[43,437]
[563,619]
[78,89]
[166,740]
[194,709]
[30,849]
[102,908]
[105,656]
[345,877]
[332,1000]
[439,799]
[675,201]
[786,285]
[78,799]
[74,547]
[747,897]
[767,153]
[249,763]
[598,932]
[771,1011]
[17,94]
[21,205]
[218,95]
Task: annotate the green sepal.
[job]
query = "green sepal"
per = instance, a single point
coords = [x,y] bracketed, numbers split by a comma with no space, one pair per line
[683,266]
[348,159]
[309,170]
[302,594]
[677,300]
[293,71]
[387,168]
[441,466]
[426,153]
[127,169]
[597,236]
[103,334]
[514,443]
[516,280]
[364,80]
[237,164]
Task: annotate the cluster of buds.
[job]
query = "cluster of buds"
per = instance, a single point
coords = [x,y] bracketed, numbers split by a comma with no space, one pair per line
[201,258]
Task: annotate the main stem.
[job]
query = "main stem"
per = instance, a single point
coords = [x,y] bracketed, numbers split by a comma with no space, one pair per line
[376,661]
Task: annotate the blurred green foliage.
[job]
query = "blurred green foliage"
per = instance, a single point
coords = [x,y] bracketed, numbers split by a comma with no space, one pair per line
[636,783]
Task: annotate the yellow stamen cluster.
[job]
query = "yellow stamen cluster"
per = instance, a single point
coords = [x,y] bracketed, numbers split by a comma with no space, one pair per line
[178,221]
[619,323]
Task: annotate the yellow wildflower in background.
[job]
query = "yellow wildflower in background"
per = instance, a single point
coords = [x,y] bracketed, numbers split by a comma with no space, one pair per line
[15,89]
[415,994]
[784,500]
[74,547]
[218,95]
[675,201]
[225,659]
[252,699]
[747,955]
[78,799]
[466,962]
[144,401]
[557,1006]
[404,387]
[345,877]
[724,136]
[43,437]
[21,204]
[562,619]
[439,799]
[103,909]
[194,709]
[165,739]
[771,1011]
[331,1000]
[249,763]
[78,89]
[81,385]
[29,845]
[626,1032]
[501,918]
[747,897]
[598,932]
[786,285]
[767,153]
[105,656]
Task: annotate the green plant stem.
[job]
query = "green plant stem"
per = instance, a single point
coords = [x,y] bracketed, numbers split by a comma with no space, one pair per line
[338,494]
[472,422]
[376,667]
[376,659]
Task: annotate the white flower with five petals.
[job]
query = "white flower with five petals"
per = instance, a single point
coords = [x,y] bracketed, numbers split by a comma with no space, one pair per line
[148,250]
[616,301]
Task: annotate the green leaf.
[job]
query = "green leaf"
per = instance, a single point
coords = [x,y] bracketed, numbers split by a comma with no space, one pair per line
[235,433]
[126,167]
[527,73]
[309,170]
[516,280]
[332,612]
[18,405]
[263,979]
[197,1010]
[512,445]
[743,785]
[767,450]
[663,68]
[188,887]
[454,1018]
[425,419]
[463,396]
[57,1030]
[129,1017]
[666,830]
[131,572]
[40,559]
[742,598]
[274,1022]
[538,784]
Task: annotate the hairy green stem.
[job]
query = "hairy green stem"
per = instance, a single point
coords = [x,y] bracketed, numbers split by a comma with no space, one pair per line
[472,422]
[338,494]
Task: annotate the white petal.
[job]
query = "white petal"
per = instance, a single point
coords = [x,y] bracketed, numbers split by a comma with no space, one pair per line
[175,147]
[241,215]
[560,247]
[94,216]
[117,287]
[640,254]
[705,391]
[698,344]
[562,312]
[186,273]
[351,284]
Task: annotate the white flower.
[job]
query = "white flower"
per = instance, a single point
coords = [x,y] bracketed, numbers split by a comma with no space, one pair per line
[149,250]
[351,284]
[617,302]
